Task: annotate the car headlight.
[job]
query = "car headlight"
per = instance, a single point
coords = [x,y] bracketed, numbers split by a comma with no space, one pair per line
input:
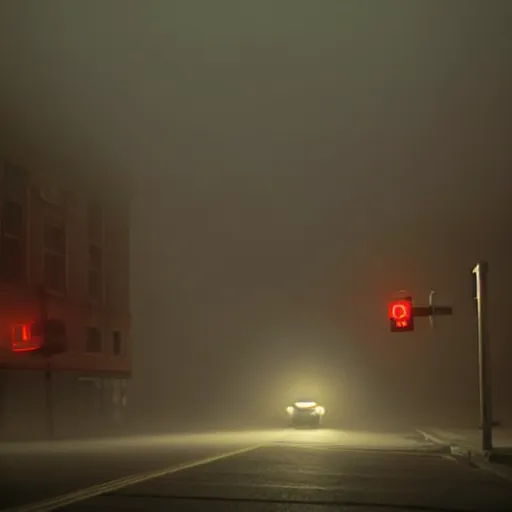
[320,410]
[289,410]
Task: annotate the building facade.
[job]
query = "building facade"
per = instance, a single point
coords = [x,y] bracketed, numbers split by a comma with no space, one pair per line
[64,254]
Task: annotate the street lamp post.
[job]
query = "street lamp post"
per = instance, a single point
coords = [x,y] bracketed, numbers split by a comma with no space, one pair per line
[484,373]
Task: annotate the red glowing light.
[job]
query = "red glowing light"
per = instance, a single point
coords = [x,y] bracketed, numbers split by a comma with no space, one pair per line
[400,310]
[25,332]
[23,339]
[400,314]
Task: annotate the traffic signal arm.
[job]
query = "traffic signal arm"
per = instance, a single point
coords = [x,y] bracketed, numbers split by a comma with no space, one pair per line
[432,311]
[401,313]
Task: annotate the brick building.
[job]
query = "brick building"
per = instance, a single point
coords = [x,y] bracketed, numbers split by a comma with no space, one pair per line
[64,254]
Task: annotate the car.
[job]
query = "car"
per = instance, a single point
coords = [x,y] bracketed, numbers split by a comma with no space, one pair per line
[305,414]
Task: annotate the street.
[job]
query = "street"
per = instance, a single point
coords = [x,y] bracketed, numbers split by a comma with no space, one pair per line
[253,470]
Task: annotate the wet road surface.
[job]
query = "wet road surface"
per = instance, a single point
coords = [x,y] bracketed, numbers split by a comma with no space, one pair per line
[283,469]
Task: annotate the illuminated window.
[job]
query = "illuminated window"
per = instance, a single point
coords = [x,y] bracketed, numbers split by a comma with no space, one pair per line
[94,340]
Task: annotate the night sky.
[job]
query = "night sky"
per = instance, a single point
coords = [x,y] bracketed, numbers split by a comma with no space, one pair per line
[295,162]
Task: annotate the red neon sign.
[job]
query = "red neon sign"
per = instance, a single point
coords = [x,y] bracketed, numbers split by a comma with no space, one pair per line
[23,338]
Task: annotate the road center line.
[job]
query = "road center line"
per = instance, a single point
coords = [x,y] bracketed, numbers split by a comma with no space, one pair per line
[65,500]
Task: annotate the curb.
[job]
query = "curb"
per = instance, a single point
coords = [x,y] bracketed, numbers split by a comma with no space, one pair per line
[481,460]
[433,438]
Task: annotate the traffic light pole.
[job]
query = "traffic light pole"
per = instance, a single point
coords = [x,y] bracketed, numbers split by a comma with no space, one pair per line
[484,370]
[484,373]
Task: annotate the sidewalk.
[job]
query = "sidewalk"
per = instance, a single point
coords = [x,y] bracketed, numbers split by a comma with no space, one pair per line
[472,439]
[468,443]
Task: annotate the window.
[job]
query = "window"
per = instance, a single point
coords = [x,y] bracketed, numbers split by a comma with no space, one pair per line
[12,219]
[94,257]
[95,233]
[95,268]
[94,284]
[14,180]
[95,222]
[12,255]
[93,340]
[54,260]
[53,196]
[117,343]
[55,238]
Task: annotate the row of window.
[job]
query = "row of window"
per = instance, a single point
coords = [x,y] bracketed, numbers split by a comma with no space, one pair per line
[12,253]
[54,254]
[95,342]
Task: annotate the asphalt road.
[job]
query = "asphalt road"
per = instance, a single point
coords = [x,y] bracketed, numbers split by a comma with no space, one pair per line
[293,470]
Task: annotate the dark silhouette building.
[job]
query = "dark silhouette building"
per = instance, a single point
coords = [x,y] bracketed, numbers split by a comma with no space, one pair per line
[64,254]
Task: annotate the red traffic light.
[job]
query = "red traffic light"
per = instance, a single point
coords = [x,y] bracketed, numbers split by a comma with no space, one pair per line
[400,314]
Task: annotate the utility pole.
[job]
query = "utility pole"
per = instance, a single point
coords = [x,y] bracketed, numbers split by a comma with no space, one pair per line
[484,373]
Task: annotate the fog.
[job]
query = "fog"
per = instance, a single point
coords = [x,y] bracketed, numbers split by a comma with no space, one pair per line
[294,164]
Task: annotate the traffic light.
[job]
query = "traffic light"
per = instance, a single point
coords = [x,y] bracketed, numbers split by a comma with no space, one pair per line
[400,313]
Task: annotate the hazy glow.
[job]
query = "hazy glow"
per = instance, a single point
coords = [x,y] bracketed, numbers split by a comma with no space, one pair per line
[281,302]
[329,438]
[304,405]
[23,340]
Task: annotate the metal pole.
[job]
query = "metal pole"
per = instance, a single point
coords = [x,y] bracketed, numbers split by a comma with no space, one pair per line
[484,373]
[432,317]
